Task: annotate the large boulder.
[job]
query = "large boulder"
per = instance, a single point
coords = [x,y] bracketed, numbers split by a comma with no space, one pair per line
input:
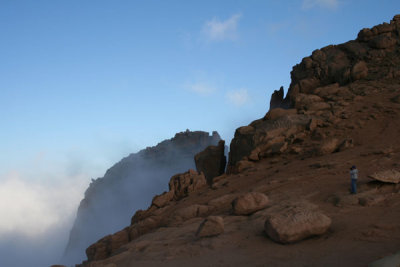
[211,161]
[387,176]
[212,226]
[249,203]
[292,223]
[185,183]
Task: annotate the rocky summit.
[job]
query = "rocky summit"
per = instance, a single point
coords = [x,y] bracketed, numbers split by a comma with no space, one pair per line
[284,199]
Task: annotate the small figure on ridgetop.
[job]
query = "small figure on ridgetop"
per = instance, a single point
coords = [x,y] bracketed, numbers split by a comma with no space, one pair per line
[353,176]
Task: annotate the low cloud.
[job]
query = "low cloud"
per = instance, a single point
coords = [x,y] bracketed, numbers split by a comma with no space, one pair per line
[36,216]
[238,97]
[32,208]
[217,30]
[331,4]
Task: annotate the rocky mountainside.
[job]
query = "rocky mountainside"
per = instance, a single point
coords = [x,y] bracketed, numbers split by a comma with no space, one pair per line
[284,200]
[129,185]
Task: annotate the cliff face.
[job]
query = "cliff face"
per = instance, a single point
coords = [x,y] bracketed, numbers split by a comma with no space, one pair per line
[129,185]
[288,176]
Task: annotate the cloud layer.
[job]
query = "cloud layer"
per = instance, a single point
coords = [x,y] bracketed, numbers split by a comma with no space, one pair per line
[40,206]
[217,30]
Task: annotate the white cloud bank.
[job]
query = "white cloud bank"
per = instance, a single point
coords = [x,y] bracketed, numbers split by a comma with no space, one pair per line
[308,4]
[217,30]
[30,209]
[238,97]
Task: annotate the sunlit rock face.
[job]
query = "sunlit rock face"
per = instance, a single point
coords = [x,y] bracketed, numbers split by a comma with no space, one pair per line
[129,185]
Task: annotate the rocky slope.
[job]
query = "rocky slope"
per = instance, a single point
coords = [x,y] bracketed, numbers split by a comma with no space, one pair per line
[127,186]
[285,200]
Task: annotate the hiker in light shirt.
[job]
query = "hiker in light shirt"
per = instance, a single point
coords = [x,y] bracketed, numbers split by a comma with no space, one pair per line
[353,176]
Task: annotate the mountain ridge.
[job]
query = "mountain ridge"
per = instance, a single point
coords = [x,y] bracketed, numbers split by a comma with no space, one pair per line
[341,109]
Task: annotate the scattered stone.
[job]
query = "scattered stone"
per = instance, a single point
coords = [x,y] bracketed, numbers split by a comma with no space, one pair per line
[212,226]
[328,146]
[387,176]
[249,203]
[185,183]
[292,223]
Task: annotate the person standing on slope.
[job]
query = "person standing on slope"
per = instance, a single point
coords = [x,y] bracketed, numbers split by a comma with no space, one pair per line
[353,176]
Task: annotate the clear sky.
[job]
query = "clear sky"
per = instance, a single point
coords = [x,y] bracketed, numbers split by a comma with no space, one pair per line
[85,83]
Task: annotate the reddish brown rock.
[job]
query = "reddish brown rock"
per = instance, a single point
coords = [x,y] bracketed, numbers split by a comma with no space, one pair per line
[382,41]
[387,176]
[359,71]
[107,245]
[289,224]
[279,112]
[211,161]
[185,183]
[328,146]
[249,203]
[145,226]
[161,200]
[192,212]
[222,202]
[212,226]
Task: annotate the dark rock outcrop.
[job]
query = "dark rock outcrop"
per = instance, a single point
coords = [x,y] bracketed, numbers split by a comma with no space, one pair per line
[211,161]
[276,99]
[185,183]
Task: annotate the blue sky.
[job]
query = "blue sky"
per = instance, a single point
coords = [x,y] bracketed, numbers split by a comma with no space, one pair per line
[85,83]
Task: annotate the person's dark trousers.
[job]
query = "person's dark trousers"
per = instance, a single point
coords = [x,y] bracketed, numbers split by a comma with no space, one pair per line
[354,186]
